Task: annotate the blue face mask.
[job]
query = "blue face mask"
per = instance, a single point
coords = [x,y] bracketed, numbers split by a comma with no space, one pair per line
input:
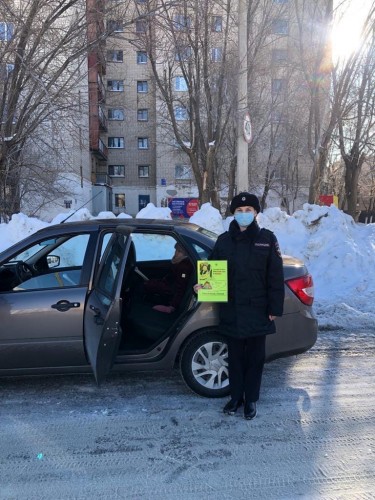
[244,219]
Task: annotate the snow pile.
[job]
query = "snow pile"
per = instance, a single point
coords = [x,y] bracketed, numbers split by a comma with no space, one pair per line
[339,253]
[82,214]
[19,227]
[152,212]
[209,218]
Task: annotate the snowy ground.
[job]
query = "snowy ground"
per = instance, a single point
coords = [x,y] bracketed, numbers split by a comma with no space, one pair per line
[147,437]
[339,253]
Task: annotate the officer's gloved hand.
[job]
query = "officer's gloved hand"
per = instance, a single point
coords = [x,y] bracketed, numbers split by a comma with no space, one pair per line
[164,309]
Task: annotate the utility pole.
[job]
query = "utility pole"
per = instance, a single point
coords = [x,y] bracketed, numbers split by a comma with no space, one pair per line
[242,173]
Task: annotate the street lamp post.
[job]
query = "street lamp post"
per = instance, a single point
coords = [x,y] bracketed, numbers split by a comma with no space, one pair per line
[243,139]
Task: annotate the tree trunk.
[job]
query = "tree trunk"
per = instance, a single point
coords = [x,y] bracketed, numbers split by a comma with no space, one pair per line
[320,162]
[352,172]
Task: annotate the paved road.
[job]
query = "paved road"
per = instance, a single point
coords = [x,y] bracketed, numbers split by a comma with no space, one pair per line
[147,437]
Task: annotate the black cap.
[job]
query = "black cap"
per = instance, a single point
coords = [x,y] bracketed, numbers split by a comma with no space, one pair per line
[245,200]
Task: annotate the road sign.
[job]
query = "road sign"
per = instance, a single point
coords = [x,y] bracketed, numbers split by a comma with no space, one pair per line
[247,129]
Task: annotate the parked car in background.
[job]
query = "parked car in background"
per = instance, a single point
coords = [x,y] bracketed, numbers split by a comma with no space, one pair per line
[67,296]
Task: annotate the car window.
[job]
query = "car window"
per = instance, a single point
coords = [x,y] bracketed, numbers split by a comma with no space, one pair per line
[203,251]
[72,252]
[104,243]
[50,263]
[110,266]
[151,247]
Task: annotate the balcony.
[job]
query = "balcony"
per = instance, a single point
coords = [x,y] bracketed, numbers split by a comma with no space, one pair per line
[99,149]
[101,88]
[103,125]
[103,180]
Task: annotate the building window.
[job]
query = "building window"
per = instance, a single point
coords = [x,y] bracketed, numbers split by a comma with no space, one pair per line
[143,201]
[180,84]
[142,86]
[115,56]
[116,170]
[116,142]
[142,142]
[115,85]
[181,22]
[280,27]
[216,54]
[141,26]
[142,115]
[217,24]
[6,31]
[119,200]
[141,57]
[115,26]
[183,53]
[181,113]
[279,55]
[143,171]
[182,172]
[116,114]
[278,85]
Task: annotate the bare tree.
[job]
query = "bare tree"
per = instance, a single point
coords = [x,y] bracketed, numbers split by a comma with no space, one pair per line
[41,57]
[44,98]
[192,41]
[316,64]
[341,101]
[277,101]
[357,120]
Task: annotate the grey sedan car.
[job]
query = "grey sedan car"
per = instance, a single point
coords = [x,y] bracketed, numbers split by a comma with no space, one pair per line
[68,294]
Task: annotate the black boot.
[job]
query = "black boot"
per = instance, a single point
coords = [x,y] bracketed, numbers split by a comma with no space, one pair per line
[250,410]
[232,406]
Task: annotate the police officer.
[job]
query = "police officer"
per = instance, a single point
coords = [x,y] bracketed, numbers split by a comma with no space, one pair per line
[255,298]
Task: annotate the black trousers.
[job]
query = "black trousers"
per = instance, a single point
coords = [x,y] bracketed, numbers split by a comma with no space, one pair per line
[245,363]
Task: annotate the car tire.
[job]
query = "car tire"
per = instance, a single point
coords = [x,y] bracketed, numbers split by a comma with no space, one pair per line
[204,364]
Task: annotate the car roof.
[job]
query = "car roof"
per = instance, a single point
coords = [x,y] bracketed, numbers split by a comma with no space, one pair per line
[141,223]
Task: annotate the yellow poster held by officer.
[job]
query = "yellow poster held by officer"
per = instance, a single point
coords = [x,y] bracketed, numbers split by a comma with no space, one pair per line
[213,278]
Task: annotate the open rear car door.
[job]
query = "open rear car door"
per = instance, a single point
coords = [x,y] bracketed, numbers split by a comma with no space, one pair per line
[102,328]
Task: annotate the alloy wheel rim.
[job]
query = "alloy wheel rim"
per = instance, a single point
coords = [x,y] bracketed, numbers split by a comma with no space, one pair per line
[210,365]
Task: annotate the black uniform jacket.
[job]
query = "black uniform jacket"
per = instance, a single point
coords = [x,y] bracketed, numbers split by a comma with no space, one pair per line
[255,280]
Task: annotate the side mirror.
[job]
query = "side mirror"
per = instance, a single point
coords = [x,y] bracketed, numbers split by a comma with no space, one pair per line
[53,260]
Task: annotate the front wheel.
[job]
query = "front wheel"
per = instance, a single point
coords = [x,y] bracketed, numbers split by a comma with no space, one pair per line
[204,364]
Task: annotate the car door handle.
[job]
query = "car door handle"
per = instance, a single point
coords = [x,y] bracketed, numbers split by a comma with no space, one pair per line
[65,305]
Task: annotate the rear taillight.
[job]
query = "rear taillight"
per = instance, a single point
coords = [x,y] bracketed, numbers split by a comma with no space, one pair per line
[303,287]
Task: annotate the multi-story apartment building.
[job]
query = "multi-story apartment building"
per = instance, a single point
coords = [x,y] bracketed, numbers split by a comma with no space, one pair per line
[122,116]
[137,157]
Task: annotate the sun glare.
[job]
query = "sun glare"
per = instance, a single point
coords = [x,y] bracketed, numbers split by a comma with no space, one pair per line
[347,27]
